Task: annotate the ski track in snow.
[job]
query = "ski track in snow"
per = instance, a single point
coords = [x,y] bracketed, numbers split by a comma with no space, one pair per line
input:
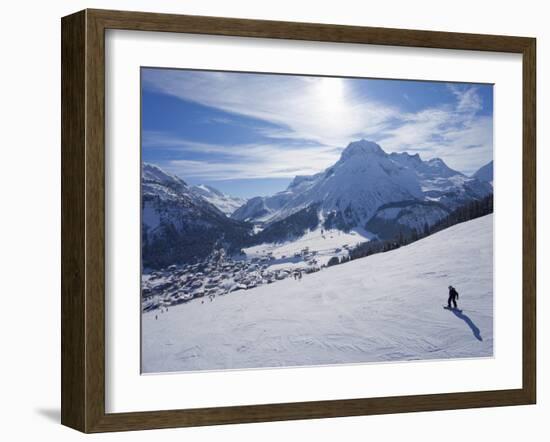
[386,307]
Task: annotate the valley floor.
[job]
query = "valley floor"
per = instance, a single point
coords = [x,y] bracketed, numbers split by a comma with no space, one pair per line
[386,307]
[326,243]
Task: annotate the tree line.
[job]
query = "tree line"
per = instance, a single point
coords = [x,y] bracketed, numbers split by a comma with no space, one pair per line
[466,212]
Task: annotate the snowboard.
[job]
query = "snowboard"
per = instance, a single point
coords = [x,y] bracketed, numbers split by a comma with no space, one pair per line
[452,309]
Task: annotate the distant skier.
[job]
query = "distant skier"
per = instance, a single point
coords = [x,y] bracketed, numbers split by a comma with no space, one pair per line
[453,296]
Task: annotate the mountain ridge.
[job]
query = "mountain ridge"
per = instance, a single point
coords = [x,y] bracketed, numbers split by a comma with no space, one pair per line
[223,201]
[364,179]
[178,225]
[387,194]
[485,173]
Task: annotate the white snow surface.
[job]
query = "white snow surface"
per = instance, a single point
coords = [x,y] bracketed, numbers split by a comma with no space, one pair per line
[326,243]
[386,307]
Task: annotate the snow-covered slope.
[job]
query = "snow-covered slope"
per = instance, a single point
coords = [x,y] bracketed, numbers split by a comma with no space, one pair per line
[156,182]
[485,173]
[365,179]
[386,307]
[323,243]
[226,203]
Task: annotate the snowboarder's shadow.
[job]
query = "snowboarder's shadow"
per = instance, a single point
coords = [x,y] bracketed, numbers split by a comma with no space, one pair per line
[468,321]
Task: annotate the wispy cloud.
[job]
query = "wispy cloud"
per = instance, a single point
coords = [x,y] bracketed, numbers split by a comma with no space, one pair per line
[310,119]
[454,132]
[242,161]
[468,99]
[327,110]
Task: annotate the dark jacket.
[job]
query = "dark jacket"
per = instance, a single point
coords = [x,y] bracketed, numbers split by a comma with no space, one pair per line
[453,293]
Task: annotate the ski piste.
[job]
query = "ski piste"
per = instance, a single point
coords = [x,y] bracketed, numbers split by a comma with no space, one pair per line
[383,307]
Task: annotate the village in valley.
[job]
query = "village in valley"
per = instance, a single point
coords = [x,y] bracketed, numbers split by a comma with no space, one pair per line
[218,275]
[221,274]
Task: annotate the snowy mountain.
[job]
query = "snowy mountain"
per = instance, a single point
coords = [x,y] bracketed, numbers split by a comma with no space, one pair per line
[386,307]
[368,187]
[363,179]
[366,190]
[178,225]
[485,173]
[226,203]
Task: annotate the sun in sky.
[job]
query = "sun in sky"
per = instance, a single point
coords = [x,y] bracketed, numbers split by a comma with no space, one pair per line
[250,134]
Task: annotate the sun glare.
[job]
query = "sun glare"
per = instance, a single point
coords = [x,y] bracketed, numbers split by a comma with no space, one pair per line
[330,91]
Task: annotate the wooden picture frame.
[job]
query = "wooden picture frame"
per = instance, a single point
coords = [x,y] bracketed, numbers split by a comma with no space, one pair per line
[83,220]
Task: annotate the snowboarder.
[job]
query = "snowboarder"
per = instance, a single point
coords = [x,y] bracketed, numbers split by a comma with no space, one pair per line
[453,296]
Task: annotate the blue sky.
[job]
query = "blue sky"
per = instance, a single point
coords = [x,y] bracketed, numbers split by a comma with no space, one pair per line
[250,134]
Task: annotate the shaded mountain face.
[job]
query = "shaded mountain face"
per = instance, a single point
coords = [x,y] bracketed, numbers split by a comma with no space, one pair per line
[180,226]
[369,188]
[485,173]
[226,203]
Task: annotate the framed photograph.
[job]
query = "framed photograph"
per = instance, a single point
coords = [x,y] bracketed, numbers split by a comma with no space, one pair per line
[269,220]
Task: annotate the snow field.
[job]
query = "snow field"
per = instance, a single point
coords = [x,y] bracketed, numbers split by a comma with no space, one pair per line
[386,307]
[324,242]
